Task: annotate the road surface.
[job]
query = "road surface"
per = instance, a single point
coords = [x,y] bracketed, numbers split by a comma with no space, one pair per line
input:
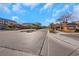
[37,43]
[26,43]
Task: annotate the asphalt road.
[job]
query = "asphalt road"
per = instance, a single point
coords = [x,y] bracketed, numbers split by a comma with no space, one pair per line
[31,43]
[37,43]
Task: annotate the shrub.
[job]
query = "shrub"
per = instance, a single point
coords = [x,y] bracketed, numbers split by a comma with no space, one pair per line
[50,30]
[77,30]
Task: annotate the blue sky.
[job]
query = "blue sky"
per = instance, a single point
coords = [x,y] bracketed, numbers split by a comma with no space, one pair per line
[44,13]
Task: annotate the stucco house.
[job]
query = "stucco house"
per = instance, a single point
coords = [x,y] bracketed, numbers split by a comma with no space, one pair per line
[5,23]
[66,27]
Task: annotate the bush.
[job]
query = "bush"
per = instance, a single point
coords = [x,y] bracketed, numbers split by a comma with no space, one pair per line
[77,30]
[68,31]
[50,30]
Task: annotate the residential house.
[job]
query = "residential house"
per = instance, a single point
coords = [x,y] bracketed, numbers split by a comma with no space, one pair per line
[66,27]
[6,23]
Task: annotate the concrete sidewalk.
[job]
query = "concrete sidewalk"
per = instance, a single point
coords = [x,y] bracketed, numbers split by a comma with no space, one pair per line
[62,46]
[59,32]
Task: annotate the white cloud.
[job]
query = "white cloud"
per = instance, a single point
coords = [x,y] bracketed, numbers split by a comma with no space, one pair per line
[4,8]
[66,7]
[31,5]
[49,5]
[46,6]
[15,18]
[52,20]
[76,12]
[62,10]
[56,13]
[76,8]
[48,21]
[16,7]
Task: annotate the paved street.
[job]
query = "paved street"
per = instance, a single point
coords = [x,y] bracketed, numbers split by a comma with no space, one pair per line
[37,43]
[30,43]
